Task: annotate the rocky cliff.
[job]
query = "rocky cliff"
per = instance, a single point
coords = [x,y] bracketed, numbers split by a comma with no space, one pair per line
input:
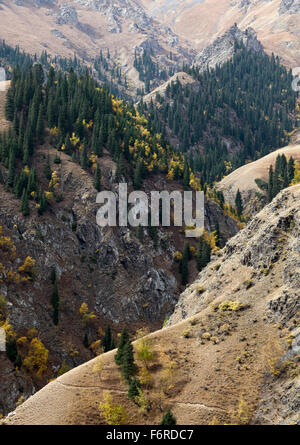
[222,48]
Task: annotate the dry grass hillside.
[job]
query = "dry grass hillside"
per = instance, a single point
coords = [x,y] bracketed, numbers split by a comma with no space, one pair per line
[230,353]
[244,177]
[183,78]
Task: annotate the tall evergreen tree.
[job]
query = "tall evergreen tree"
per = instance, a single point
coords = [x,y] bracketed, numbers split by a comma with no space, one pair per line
[239,203]
[128,367]
[40,126]
[123,340]
[168,418]
[47,170]
[108,341]
[270,184]
[133,390]
[24,203]
[97,178]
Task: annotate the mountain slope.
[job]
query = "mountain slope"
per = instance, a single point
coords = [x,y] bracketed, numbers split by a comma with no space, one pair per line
[232,342]
[202,21]
[86,27]
[58,268]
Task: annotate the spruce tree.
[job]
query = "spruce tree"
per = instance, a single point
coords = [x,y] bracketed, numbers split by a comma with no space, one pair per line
[9,105]
[108,343]
[53,275]
[186,176]
[97,178]
[40,126]
[239,203]
[133,390]
[217,234]
[138,175]
[123,340]
[24,203]
[120,170]
[291,169]
[47,170]
[86,340]
[270,184]
[168,418]
[128,367]
[84,158]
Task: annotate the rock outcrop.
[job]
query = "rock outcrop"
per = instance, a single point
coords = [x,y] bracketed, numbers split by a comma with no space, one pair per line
[222,49]
[289,7]
[67,15]
[267,247]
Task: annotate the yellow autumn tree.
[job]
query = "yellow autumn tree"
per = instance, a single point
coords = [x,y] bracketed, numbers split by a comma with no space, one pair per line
[113,414]
[296,179]
[37,357]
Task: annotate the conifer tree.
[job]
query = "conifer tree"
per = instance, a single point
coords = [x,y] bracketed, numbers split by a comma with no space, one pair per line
[291,169]
[133,390]
[168,418]
[120,170]
[42,203]
[184,269]
[186,176]
[40,126]
[11,169]
[97,178]
[24,203]
[47,170]
[217,234]
[108,342]
[84,158]
[239,203]
[53,275]
[270,184]
[128,367]
[9,105]
[138,175]
[86,340]
[123,340]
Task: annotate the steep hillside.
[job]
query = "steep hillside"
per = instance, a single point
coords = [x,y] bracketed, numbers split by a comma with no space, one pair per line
[68,140]
[230,114]
[230,353]
[202,21]
[84,27]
